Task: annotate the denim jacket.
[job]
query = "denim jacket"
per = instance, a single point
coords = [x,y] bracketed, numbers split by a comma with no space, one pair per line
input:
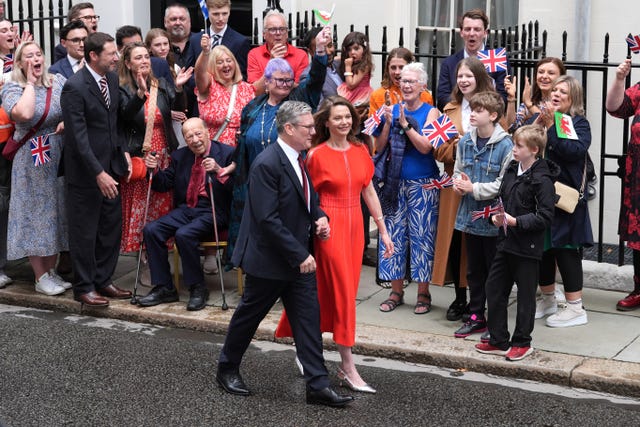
[485,168]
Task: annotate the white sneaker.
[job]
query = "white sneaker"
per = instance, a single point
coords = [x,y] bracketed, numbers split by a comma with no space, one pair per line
[47,286]
[570,315]
[59,280]
[5,280]
[210,265]
[546,305]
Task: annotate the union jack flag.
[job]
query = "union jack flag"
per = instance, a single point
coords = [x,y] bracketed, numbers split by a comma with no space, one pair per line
[504,217]
[634,43]
[486,212]
[444,182]
[371,124]
[494,59]
[8,64]
[40,148]
[440,131]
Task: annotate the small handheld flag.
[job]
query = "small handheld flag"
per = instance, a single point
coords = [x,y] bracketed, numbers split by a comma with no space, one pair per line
[486,212]
[494,59]
[440,131]
[372,123]
[40,149]
[324,17]
[205,10]
[564,126]
[504,217]
[634,43]
[444,182]
[8,63]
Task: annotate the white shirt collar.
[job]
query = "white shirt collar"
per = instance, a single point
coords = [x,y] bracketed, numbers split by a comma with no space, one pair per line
[95,75]
[221,33]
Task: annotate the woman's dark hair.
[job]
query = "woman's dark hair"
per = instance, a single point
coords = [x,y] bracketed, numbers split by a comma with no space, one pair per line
[350,39]
[398,52]
[125,77]
[321,117]
[536,94]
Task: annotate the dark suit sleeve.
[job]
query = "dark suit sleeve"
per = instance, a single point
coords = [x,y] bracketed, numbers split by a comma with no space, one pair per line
[163,180]
[242,53]
[72,103]
[264,197]
[444,83]
[59,52]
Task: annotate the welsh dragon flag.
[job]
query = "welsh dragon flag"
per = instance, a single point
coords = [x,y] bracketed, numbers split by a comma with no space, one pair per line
[323,16]
[564,126]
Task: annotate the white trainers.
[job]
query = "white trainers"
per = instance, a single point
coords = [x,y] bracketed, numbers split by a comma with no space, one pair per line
[546,305]
[210,265]
[47,286]
[5,280]
[59,280]
[570,315]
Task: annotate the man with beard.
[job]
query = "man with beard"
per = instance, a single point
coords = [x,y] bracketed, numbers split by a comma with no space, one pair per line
[474,28]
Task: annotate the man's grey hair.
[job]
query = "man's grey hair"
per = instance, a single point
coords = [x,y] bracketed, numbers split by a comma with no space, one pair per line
[289,112]
[271,13]
[174,6]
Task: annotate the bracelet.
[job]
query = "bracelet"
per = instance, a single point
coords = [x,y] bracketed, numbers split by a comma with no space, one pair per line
[380,218]
[348,73]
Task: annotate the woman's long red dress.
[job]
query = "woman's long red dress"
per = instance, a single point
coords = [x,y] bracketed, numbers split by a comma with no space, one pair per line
[339,178]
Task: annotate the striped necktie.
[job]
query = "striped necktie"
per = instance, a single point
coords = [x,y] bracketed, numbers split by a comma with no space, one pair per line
[216,40]
[105,92]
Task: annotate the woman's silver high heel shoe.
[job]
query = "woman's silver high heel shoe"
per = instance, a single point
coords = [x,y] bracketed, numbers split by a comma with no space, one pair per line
[346,381]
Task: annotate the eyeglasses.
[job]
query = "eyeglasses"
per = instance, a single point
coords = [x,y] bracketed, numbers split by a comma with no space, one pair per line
[283,82]
[90,18]
[77,40]
[276,30]
[408,82]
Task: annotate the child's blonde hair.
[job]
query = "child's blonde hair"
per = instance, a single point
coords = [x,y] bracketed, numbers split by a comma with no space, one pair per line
[533,136]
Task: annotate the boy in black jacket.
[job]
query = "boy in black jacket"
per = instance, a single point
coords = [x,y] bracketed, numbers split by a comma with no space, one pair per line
[528,197]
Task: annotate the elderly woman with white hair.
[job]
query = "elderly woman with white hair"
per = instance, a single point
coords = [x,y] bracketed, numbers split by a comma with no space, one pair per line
[409,203]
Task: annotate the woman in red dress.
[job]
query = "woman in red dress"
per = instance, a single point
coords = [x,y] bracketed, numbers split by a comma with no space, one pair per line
[340,169]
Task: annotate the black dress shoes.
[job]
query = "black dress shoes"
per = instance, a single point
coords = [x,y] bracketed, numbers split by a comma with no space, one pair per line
[328,397]
[232,382]
[198,298]
[159,295]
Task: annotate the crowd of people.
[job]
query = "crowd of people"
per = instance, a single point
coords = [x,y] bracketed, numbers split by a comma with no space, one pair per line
[132,144]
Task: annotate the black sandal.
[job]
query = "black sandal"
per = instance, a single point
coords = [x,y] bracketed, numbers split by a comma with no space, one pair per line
[391,303]
[420,305]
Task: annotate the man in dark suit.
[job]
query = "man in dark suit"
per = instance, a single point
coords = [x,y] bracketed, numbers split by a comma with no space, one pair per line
[274,248]
[85,13]
[72,37]
[221,33]
[474,28]
[191,221]
[94,160]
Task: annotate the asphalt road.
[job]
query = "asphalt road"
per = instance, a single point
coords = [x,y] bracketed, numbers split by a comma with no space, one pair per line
[69,370]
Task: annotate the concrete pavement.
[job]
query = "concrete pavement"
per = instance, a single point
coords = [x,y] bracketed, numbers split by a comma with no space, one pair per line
[603,355]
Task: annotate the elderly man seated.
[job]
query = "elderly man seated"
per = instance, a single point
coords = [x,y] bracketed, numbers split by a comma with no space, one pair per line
[191,221]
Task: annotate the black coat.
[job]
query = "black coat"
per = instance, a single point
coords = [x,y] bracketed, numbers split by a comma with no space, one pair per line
[530,198]
[132,121]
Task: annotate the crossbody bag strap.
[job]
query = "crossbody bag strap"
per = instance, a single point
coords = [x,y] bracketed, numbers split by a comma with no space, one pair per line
[35,128]
[584,175]
[227,119]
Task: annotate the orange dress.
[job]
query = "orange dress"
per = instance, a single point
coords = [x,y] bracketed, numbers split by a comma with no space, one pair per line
[339,178]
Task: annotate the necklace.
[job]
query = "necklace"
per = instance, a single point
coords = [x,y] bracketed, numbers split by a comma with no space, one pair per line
[264,107]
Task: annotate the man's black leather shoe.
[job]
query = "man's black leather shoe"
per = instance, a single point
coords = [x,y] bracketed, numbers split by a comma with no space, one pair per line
[198,298]
[159,295]
[327,396]
[232,383]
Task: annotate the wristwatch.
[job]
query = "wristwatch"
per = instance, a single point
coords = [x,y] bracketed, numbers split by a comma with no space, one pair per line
[407,128]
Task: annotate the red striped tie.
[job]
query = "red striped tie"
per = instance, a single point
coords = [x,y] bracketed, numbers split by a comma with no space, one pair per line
[105,92]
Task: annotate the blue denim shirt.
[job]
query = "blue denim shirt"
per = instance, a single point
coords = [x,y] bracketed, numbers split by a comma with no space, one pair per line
[485,168]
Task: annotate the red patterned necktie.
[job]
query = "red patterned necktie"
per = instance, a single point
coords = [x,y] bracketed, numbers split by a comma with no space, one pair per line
[105,92]
[196,181]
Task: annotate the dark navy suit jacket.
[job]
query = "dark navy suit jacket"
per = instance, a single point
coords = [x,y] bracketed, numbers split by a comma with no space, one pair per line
[447,79]
[276,233]
[62,67]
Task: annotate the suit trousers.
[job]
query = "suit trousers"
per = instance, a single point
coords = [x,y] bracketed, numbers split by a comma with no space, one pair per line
[189,226]
[480,253]
[506,269]
[300,299]
[95,229]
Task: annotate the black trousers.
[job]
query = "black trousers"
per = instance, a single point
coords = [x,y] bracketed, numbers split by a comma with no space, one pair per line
[95,229]
[300,300]
[480,253]
[506,269]
[569,262]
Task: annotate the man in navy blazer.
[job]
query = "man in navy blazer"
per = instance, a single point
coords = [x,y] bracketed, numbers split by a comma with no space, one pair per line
[275,249]
[72,37]
[474,28]
[221,33]
[191,221]
[94,160]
